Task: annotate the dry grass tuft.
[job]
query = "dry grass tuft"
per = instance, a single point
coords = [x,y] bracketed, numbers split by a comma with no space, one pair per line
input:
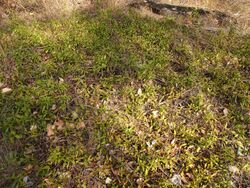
[58,8]
[112,3]
[47,8]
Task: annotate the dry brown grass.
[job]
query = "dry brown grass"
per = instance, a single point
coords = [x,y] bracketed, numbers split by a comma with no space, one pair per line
[58,8]
[47,8]
[112,3]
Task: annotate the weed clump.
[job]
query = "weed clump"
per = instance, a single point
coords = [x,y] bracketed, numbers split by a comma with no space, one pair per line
[119,100]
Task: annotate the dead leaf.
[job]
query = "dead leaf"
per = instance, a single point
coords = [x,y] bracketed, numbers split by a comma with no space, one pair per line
[234,169]
[29,150]
[48,183]
[140,181]
[139,92]
[50,130]
[190,176]
[108,180]
[59,124]
[61,80]
[81,125]
[115,172]
[28,168]
[184,180]
[53,107]
[155,114]
[35,112]
[174,151]
[33,128]
[173,141]
[225,111]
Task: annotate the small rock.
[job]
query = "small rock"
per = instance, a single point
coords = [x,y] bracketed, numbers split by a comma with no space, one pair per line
[176,180]
[108,180]
[6,90]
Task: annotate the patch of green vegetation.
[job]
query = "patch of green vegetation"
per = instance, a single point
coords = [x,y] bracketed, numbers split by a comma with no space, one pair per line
[117,99]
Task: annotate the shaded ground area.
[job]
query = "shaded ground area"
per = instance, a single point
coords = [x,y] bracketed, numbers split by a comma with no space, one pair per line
[110,98]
